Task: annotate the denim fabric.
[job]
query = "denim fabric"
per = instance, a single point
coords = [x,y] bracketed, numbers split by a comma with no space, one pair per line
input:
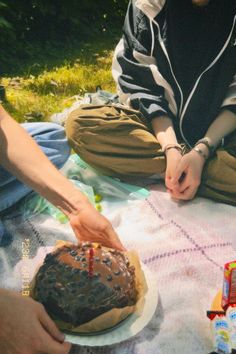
[51,139]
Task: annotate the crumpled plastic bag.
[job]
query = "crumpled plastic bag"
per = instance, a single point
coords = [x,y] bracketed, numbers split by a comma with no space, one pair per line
[39,205]
[94,185]
[77,169]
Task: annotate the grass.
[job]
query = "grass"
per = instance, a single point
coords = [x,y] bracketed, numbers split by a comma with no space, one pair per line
[43,89]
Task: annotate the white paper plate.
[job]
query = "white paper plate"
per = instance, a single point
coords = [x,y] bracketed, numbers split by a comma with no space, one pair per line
[129,327]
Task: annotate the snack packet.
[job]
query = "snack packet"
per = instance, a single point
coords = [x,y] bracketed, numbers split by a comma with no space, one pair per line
[220,331]
[231,318]
[229,285]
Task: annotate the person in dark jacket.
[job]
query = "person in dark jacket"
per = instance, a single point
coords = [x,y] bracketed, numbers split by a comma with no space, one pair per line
[175,69]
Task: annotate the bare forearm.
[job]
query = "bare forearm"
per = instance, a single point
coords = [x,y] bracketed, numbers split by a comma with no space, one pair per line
[164,131]
[20,155]
[223,125]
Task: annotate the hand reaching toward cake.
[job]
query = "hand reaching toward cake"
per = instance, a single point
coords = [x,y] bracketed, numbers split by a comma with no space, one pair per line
[89,225]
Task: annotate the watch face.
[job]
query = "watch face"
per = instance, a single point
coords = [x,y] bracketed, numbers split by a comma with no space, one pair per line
[205,141]
[200,3]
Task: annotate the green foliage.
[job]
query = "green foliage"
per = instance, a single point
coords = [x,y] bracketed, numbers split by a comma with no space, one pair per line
[3,22]
[44,22]
[43,46]
[35,97]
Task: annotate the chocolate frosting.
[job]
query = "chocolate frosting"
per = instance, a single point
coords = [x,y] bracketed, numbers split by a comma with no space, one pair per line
[77,283]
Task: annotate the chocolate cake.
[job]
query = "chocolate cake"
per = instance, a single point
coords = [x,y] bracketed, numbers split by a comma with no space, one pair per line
[77,283]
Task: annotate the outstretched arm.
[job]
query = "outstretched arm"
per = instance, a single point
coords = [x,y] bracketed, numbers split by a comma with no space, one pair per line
[20,155]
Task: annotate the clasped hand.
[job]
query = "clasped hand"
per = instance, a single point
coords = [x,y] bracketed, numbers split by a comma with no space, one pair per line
[183,174]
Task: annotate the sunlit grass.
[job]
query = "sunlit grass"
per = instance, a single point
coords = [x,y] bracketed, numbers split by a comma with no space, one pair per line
[35,97]
[26,105]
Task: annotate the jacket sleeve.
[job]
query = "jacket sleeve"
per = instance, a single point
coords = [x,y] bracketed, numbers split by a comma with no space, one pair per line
[230,99]
[139,82]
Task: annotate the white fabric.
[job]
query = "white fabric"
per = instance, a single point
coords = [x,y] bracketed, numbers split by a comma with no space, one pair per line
[124,98]
[185,244]
[151,8]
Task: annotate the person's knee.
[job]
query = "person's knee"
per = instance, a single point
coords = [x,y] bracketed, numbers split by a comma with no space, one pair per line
[55,131]
[70,125]
[55,127]
[59,143]
[72,132]
[37,128]
[51,138]
[62,151]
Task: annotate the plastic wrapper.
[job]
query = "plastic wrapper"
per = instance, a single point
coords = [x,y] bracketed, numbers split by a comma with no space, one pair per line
[39,205]
[229,285]
[221,334]
[223,312]
[231,318]
[116,315]
[90,183]
[79,170]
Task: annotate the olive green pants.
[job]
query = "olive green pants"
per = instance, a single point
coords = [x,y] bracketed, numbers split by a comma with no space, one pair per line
[117,141]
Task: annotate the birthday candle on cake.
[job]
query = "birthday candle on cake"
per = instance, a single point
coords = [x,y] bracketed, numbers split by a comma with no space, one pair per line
[91,260]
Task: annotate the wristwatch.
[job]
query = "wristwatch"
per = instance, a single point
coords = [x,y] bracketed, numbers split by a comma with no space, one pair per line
[205,141]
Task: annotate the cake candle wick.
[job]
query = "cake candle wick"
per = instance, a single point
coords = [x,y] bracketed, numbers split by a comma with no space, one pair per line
[91,260]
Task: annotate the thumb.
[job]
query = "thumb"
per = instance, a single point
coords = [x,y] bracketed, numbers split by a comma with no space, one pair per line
[50,326]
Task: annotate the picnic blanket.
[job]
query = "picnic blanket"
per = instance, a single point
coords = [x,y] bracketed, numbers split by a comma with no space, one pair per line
[184,244]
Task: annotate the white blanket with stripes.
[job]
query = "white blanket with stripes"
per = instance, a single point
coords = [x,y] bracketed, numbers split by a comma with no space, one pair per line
[185,244]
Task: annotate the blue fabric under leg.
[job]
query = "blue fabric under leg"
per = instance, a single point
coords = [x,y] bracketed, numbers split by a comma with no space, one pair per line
[51,139]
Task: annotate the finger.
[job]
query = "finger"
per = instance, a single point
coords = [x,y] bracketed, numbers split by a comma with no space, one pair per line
[76,232]
[188,194]
[85,234]
[175,187]
[169,184]
[179,172]
[50,326]
[175,182]
[184,185]
[50,346]
[191,182]
[107,238]
[114,239]
[175,194]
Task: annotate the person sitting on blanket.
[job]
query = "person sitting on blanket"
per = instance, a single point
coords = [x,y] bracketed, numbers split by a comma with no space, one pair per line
[175,69]
[25,326]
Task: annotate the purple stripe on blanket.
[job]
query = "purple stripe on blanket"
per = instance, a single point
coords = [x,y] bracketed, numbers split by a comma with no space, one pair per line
[154,209]
[186,250]
[188,237]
